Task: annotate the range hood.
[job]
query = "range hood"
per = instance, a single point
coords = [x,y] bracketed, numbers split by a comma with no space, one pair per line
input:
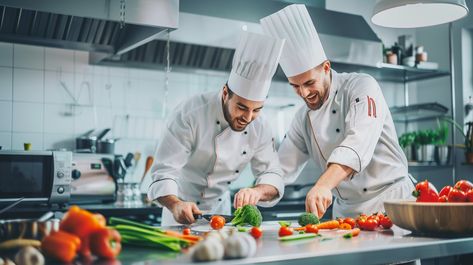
[89,25]
[209,31]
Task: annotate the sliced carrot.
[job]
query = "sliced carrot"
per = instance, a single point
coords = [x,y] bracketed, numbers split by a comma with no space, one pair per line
[345,226]
[333,224]
[302,228]
[355,232]
[192,238]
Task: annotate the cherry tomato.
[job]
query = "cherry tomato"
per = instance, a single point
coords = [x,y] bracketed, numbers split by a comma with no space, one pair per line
[445,191]
[464,185]
[186,231]
[386,222]
[285,231]
[217,222]
[425,192]
[456,196]
[373,217]
[369,224]
[310,228]
[256,232]
[345,226]
[350,221]
[469,196]
[443,198]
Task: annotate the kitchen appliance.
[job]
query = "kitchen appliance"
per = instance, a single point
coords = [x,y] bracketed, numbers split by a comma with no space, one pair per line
[38,176]
[92,179]
[90,143]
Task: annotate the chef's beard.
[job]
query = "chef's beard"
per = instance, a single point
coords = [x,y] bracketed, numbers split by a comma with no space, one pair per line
[232,121]
[321,97]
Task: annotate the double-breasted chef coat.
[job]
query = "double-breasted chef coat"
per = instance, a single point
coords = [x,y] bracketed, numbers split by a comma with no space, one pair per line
[354,128]
[200,156]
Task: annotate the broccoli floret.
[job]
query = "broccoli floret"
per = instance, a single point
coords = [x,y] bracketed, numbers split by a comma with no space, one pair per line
[248,214]
[308,218]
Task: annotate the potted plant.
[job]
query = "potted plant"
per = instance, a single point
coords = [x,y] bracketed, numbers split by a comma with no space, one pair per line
[442,150]
[424,141]
[406,141]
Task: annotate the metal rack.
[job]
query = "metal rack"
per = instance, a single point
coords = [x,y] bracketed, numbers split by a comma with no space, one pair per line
[419,112]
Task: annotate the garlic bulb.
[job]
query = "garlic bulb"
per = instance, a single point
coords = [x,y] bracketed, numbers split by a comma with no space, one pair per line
[210,249]
[239,245]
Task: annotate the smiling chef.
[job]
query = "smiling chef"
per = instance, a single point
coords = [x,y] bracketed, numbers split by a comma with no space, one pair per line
[345,126]
[211,137]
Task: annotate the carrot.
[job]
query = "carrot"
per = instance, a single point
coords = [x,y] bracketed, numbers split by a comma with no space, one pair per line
[333,224]
[302,228]
[354,232]
[192,238]
[345,226]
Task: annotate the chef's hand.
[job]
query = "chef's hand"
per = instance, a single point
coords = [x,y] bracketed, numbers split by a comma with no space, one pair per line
[246,196]
[318,199]
[183,212]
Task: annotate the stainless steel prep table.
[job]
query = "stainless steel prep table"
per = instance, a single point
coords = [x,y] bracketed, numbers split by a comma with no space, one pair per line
[379,247]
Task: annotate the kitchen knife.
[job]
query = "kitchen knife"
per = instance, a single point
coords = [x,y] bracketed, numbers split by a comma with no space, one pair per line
[208,217]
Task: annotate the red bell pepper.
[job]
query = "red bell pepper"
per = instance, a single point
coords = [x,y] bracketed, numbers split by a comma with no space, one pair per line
[60,246]
[445,191]
[105,243]
[425,192]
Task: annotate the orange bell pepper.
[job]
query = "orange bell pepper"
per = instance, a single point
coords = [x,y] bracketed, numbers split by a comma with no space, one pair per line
[60,246]
[105,243]
[80,222]
[74,239]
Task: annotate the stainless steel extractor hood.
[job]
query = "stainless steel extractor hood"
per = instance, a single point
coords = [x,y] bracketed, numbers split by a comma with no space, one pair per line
[90,25]
[209,31]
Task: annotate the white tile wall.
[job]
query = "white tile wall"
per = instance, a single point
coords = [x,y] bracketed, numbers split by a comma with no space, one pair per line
[6,54]
[59,141]
[6,83]
[54,87]
[26,56]
[28,85]
[59,60]
[57,119]
[81,63]
[5,140]
[6,114]
[35,139]
[27,117]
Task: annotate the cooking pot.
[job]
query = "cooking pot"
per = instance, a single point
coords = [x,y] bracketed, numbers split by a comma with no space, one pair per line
[86,142]
[106,146]
[27,228]
[296,192]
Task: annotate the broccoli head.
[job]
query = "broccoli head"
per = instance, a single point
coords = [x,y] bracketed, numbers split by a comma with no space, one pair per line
[308,218]
[247,215]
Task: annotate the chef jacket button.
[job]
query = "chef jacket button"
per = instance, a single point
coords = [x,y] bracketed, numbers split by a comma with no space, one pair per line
[218,122]
[365,189]
[334,111]
[338,130]
[357,100]
[336,92]
[246,132]
[244,152]
[197,203]
[229,182]
[237,171]
[219,199]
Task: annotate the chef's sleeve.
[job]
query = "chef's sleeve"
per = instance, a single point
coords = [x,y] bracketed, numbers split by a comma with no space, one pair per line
[363,125]
[172,154]
[265,166]
[293,153]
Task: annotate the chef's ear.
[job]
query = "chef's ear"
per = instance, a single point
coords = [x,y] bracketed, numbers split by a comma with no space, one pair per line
[326,65]
[225,92]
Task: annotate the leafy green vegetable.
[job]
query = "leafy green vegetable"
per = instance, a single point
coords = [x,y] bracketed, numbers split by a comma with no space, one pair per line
[308,218]
[284,223]
[248,214]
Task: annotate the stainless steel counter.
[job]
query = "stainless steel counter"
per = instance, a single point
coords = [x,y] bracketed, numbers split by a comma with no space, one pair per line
[378,247]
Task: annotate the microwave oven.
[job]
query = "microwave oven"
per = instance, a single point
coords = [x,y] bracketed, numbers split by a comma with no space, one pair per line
[37,176]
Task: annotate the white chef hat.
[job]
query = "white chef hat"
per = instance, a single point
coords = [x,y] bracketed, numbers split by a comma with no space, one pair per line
[303,50]
[254,64]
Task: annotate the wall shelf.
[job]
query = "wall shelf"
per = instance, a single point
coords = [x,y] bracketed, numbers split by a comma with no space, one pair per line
[419,112]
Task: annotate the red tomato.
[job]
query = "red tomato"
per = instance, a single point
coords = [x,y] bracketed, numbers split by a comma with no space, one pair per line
[105,243]
[186,231]
[256,232]
[443,198]
[469,196]
[369,224]
[445,191]
[425,192]
[217,222]
[350,221]
[285,231]
[457,196]
[311,229]
[386,222]
[464,185]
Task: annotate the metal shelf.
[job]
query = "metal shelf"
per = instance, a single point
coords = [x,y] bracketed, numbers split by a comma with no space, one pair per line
[426,164]
[418,112]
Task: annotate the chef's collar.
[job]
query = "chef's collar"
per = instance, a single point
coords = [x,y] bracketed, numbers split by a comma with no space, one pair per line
[220,119]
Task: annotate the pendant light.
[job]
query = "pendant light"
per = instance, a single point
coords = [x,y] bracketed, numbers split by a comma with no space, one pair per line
[417,13]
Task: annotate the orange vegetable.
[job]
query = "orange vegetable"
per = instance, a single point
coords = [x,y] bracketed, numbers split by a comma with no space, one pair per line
[345,226]
[190,238]
[59,247]
[80,222]
[217,222]
[353,233]
[302,228]
[310,228]
[333,224]
[105,243]
[186,231]
[70,237]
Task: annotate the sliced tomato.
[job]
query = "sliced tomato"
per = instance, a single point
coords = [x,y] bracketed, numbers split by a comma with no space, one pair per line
[256,232]
[310,228]
[285,231]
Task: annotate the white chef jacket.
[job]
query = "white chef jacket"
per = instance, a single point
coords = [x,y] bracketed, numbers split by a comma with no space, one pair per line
[200,155]
[354,128]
